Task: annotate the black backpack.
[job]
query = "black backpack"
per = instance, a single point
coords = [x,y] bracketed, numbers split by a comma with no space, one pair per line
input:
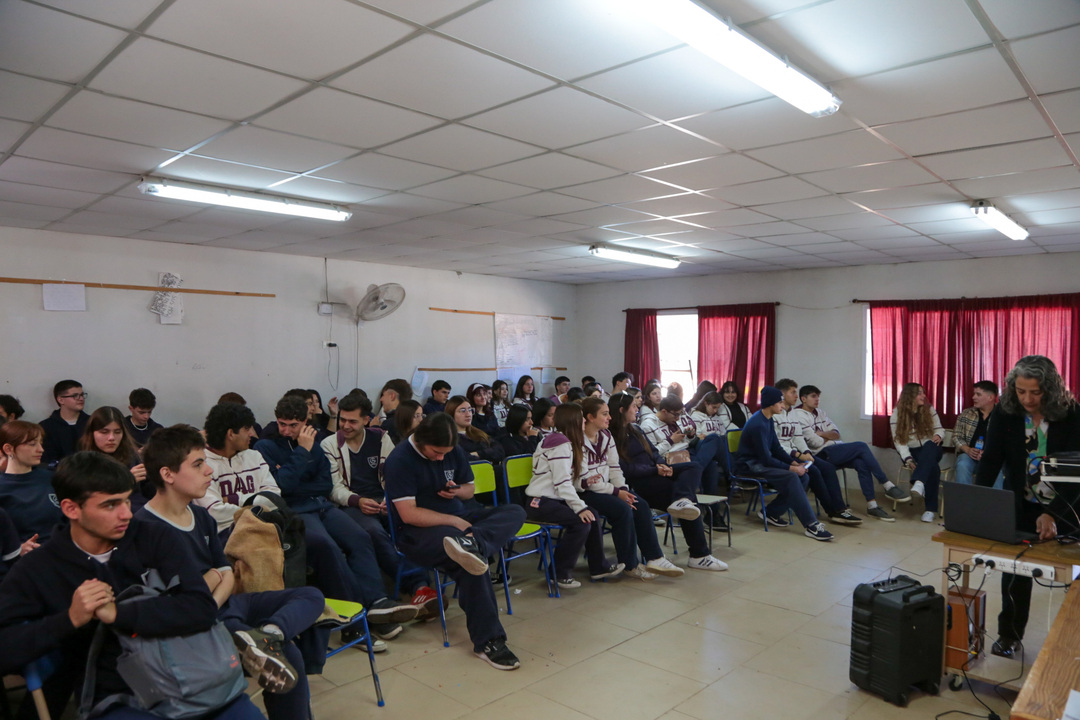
[290,528]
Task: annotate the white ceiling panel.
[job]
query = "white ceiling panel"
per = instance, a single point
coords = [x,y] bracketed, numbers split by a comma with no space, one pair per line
[810,208]
[942,228]
[1030,155]
[23,211]
[37,41]
[125,13]
[64,177]
[1006,123]
[731,219]
[686,205]
[460,148]
[898,243]
[1046,201]
[151,209]
[375,170]
[175,77]
[714,172]
[651,147]
[1017,19]
[542,203]
[90,152]
[254,240]
[857,147]
[41,195]
[440,77]
[1049,61]
[408,205]
[847,221]
[625,188]
[766,122]
[425,12]
[277,36]
[269,149]
[559,118]
[339,117]
[1021,183]
[218,172]
[930,213]
[25,98]
[769,191]
[775,232]
[111,222]
[918,195]
[898,173]
[1064,109]
[472,189]
[550,170]
[482,217]
[882,232]
[1054,217]
[10,132]
[327,190]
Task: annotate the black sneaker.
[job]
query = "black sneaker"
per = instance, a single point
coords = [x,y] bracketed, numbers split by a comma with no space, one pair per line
[846,517]
[880,513]
[817,531]
[498,656]
[464,551]
[775,522]
[261,656]
[389,611]
[385,631]
[1006,648]
[610,571]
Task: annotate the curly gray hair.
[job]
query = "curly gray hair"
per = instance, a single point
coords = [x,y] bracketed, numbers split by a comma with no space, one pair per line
[1056,398]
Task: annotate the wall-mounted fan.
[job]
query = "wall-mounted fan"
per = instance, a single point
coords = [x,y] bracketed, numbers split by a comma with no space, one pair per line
[379,301]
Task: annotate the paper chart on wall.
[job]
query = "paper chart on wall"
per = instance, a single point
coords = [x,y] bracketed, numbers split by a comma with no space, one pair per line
[522,341]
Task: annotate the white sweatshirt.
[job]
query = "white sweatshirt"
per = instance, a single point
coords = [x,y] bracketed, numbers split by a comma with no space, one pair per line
[600,470]
[234,480]
[553,472]
[708,425]
[789,432]
[659,434]
[725,415]
[813,421]
[913,440]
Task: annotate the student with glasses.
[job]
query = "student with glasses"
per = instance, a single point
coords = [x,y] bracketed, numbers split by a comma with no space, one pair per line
[476,443]
[65,426]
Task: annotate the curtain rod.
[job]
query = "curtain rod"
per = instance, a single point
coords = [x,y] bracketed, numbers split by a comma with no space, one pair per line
[696,307]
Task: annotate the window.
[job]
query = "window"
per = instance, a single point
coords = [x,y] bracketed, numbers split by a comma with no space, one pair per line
[677,334]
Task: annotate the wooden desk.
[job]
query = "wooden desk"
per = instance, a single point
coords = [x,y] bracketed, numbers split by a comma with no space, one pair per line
[1057,669]
[959,549]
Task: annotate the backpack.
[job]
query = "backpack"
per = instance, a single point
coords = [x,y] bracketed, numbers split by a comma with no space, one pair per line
[172,677]
[271,508]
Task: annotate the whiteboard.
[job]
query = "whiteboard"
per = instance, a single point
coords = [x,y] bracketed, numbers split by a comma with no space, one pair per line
[522,341]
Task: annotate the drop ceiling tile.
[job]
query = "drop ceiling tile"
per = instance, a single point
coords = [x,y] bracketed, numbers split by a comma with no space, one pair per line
[769,191]
[535,227]
[766,122]
[714,172]
[931,213]
[833,247]
[233,219]
[963,239]
[551,170]
[592,36]
[408,205]
[427,228]
[652,147]
[731,218]
[774,231]
[1049,61]
[856,147]
[24,98]
[111,221]
[472,190]
[654,227]
[175,77]
[1064,108]
[269,149]
[110,117]
[1053,217]
[425,12]
[97,230]
[280,36]
[220,172]
[97,153]
[942,228]
[440,77]
[542,204]
[320,248]
[810,208]
[685,205]
[798,239]
[588,236]
[481,218]
[622,189]
[874,233]
[151,209]
[339,117]
[916,195]
[1022,183]
[1006,123]
[254,240]
[1054,230]
[41,195]
[846,221]
[674,84]
[23,211]
[1030,155]
[865,257]
[932,88]
[1018,249]
[10,132]
[64,177]
[1016,20]
[185,233]
[657,246]
[898,243]
[24,223]
[326,190]
[460,148]
[37,41]
[375,170]
[1045,201]
[876,176]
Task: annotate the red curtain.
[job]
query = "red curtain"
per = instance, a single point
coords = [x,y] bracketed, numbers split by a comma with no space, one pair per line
[641,352]
[949,345]
[738,342]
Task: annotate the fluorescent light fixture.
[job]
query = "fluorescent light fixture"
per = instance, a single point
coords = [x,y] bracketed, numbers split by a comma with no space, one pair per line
[729,46]
[229,197]
[999,221]
[635,256]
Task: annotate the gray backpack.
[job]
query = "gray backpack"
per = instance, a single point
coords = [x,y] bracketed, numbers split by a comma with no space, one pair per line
[171,677]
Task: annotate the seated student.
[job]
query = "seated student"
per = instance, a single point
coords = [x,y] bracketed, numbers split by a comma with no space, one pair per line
[704,388]
[500,402]
[524,393]
[10,408]
[575,395]
[760,455]
[65,426]
[303,474]
[105,433]
[673,433]
[10,547]
[664,487]
[707,422]
[733,412]
[587,380]
[409,414]
[543,414]
[320,420]
[557,465]
[355,455]
[970,433]
[593,390]
[238,399]
[635,392]
[479,396]
[650,400]
[271,429]
[440,391]
[475,442]
[393,393]
[26,491]
[677,390]
[917,434]
[823,438]
[602,486]
[823,478]
[139,425]
[53,598]
[562,384]
[263,624]
[521,437]
[427,478]
[620,381]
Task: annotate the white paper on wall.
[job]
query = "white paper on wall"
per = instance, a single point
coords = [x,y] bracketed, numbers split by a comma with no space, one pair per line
[169,306]
[64,297]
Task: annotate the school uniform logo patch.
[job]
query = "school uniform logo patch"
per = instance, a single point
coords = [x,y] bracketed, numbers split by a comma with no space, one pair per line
[449,475]
[53,500]
[373,461]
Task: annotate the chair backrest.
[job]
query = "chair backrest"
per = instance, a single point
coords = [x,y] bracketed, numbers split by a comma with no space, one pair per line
[484,478]
[733,439]
[518,469]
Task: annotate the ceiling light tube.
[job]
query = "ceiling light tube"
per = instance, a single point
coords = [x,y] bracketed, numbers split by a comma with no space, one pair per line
[999,221]
[729,46]
[635,256]
[229,197]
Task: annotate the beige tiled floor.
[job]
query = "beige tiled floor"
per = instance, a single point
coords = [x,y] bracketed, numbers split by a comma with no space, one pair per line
[767,639]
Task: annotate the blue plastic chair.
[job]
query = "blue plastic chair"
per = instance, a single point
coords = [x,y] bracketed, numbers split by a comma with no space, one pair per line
[357,616]
[760,487]
[408,568]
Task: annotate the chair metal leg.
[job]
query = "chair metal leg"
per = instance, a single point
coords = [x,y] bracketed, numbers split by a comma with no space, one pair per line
[442,609]
[371,661]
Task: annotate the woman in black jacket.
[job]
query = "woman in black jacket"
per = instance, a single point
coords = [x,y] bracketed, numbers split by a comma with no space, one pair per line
[521,437]
[661,485]
[1037,417]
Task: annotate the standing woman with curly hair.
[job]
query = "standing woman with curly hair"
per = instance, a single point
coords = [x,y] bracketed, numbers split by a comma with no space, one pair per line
[1037,417]
[917,435]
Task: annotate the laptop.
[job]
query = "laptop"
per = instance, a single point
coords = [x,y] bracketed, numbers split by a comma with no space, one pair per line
[983,512]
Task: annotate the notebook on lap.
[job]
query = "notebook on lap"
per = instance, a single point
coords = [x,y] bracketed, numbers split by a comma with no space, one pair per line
[983,512]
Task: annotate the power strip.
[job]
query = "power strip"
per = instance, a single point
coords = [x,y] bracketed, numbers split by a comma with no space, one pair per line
[1014,567]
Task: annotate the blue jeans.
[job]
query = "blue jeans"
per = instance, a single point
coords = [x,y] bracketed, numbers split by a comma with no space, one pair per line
[711,454]
[239,709]
[331,522]
[790,492]
[630,527]
[966,469]
[859,457]
[826,486]
[927,470]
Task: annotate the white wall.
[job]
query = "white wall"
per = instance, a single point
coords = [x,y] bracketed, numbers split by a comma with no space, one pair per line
[258,347]
[820,336]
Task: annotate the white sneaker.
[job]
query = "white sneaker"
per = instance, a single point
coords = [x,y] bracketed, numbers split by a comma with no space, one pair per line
[663,566]
[928,516]
[706,563]
[683,509]
[639,572]
[917,488]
